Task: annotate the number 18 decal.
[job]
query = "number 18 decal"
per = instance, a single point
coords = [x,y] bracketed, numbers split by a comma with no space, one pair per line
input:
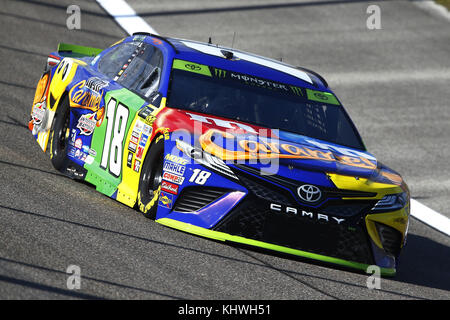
[200,176]
[115,133]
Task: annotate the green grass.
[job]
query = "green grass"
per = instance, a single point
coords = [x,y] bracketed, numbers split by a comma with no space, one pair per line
[445,3]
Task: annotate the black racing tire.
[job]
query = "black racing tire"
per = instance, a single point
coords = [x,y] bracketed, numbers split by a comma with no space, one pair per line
[150,180]
[59,138]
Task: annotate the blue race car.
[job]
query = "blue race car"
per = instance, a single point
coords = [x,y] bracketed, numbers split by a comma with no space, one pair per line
[223,144]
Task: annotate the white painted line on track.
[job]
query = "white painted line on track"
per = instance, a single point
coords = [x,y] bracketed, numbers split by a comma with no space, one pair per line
[433,8]
[127,18]
[430,217]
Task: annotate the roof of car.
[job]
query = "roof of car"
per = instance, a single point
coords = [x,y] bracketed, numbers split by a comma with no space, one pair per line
[243,62]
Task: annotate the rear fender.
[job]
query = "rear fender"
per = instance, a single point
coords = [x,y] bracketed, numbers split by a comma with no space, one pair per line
[49,92]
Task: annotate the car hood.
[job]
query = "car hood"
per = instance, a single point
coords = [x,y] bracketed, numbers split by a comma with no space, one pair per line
[271,149]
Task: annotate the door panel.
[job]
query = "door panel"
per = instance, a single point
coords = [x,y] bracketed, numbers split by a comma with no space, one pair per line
[109,140]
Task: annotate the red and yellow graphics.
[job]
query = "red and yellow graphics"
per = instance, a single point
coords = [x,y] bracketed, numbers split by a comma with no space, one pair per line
[251,149]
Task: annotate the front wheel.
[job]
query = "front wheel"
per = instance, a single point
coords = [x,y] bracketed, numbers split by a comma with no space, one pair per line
[150,181]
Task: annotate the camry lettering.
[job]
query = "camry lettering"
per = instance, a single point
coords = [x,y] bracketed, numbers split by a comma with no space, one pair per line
[303,213]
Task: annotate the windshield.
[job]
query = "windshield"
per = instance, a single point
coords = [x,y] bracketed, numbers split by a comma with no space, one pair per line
[135,65]
[262,102]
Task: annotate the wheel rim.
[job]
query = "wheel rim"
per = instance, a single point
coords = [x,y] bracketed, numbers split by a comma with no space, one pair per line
[153,179]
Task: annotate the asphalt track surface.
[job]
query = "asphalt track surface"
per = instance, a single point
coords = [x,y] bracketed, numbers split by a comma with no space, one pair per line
[394,83]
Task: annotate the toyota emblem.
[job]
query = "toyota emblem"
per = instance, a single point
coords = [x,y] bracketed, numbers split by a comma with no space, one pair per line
[309,193]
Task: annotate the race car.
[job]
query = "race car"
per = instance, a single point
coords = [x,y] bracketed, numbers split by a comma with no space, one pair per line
[222,144]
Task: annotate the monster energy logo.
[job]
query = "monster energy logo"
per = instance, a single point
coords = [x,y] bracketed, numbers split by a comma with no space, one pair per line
[296,90]
[220,73]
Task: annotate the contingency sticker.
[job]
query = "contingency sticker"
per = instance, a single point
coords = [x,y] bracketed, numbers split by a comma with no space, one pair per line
[320,96]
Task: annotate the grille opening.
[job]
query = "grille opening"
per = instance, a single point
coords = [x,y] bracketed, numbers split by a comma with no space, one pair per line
[193,199]
[293,184]
[347,208]
[267,192]
[253,219]
[390,239]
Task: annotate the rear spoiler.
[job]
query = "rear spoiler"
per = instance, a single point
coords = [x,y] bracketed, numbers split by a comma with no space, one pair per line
[69,50]
[78,50]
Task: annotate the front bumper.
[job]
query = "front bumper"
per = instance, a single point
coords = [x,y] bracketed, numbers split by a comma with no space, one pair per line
[340,230]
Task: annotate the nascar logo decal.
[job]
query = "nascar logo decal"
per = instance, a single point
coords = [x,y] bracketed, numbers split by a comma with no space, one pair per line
[87,123]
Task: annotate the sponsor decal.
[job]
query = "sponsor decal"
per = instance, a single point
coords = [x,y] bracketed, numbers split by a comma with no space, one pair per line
[220,73]
[38,113]
[92,152]
[165,200]
[261,149]
[149,120]
[169,187]
[73,135]
[138,126]
[173,178]
[146,111]
[305,214]
[319,96]
[134,138]
[80,155]
[166,133]
[96,84]
[84,97]
[132,146]
[71,151]
[143,141]
[78,143]
[176,159]
[252,80]
[139,152]
[137,165]
[174,168]
[297,90]
[129,159]
[191,67]
[147,130]
[89,159]
[87,123]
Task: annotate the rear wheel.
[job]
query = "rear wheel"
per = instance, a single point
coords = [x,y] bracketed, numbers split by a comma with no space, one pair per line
[150,181]
[60,134]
